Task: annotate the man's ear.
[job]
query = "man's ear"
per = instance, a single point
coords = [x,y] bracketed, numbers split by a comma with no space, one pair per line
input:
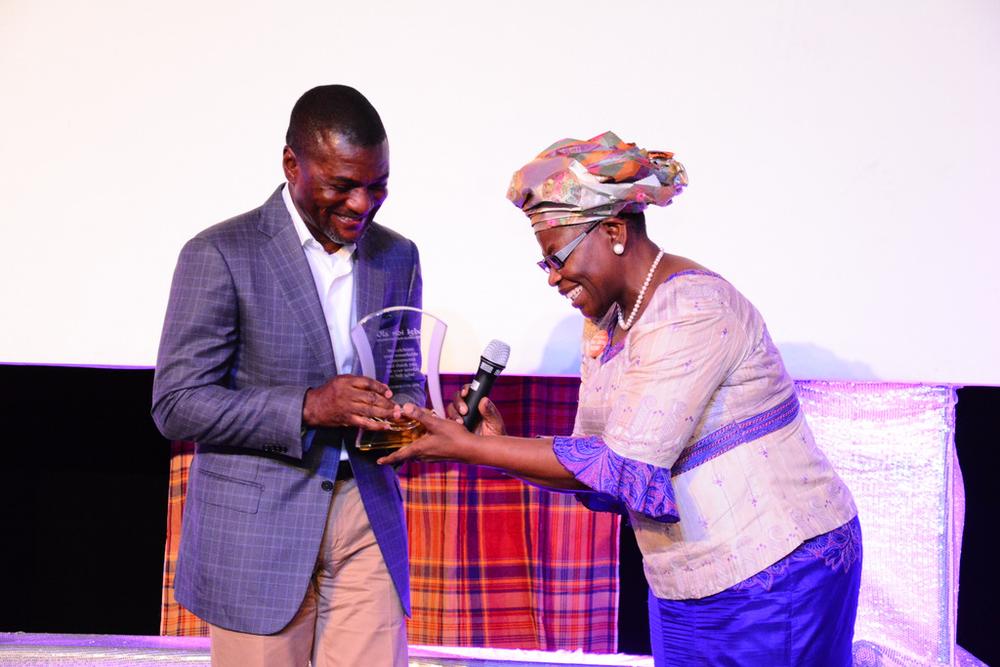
[290,164]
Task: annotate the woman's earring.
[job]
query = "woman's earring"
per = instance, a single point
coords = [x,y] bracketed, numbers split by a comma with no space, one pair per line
[618,249]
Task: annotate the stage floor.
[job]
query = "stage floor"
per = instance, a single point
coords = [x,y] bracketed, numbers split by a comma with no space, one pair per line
[20,648]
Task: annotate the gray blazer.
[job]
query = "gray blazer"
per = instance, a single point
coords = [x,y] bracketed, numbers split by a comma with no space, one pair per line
[243,338]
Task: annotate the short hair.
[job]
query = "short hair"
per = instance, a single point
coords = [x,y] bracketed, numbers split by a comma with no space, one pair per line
[334,108]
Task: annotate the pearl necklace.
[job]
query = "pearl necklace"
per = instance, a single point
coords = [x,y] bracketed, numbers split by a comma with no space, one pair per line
[627,324]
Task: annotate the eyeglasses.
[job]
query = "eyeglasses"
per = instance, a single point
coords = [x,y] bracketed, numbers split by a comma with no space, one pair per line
[557,260]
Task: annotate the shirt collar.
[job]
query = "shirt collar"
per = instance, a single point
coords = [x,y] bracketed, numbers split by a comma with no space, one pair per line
[305,236]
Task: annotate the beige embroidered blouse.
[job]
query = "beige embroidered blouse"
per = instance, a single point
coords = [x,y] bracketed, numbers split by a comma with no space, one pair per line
[694,426]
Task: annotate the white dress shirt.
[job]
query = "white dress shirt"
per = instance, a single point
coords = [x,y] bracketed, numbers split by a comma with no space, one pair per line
[333,275]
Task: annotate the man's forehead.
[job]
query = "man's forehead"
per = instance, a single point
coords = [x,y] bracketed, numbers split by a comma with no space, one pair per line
[334,152]
[332,139]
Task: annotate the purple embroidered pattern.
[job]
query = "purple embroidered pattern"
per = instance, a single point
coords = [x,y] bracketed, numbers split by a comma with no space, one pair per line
[641,487]
[611,351]
[601,502]
[732,435]
[694,272]
[839,549]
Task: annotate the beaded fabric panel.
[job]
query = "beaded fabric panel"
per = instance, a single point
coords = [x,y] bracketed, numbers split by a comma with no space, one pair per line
[893,445]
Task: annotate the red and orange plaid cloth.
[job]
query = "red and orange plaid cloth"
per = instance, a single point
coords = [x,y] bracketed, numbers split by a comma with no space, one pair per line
[493,561]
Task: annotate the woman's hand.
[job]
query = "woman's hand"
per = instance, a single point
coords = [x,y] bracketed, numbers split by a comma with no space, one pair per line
[490,424]
[445,440]
[531,459]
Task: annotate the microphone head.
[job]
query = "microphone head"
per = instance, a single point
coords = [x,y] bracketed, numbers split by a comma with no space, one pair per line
[497,353]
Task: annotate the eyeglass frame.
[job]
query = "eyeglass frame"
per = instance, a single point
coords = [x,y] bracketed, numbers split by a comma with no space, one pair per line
[557,260]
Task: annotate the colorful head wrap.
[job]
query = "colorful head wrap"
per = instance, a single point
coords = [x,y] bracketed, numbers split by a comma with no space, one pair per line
[573,182]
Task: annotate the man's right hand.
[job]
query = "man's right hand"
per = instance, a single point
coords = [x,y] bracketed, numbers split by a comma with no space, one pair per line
[350,400]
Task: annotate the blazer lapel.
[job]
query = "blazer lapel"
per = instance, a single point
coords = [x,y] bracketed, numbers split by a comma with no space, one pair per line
[369,284]
[287,261]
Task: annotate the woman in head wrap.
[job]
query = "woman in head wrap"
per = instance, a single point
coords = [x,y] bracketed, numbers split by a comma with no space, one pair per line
[687,421]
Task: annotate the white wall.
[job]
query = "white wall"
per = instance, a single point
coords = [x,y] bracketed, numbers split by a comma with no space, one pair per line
[841,155]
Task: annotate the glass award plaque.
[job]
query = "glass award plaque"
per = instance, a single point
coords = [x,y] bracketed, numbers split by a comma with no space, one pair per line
[401,347]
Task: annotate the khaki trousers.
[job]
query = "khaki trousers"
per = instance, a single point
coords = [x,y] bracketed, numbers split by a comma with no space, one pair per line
[351,615]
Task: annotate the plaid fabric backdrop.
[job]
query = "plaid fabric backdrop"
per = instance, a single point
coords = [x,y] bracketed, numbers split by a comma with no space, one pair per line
[175,619]
[493,561]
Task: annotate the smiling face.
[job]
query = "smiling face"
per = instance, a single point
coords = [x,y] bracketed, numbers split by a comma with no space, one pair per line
[588,278]
[337,186]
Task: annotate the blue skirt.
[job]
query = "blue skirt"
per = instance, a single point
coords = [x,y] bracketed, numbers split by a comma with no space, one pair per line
[798,612]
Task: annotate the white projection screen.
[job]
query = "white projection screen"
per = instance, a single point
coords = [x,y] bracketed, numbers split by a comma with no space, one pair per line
[842,159]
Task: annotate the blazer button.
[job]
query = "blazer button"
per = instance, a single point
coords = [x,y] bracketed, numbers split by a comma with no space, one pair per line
[327,485]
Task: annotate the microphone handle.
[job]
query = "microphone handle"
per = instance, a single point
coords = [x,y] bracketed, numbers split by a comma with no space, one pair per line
[480,387]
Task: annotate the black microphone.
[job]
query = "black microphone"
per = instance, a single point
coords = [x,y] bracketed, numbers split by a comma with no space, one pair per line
[493,361]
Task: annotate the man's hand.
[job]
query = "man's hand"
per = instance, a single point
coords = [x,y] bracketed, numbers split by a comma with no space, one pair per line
[350,400]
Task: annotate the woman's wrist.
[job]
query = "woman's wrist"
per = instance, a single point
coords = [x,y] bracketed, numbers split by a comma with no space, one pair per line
[478,449]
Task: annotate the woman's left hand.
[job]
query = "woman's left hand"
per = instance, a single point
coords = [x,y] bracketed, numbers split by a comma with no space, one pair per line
[445,440]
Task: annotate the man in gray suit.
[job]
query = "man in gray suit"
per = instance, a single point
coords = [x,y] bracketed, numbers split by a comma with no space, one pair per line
[294,543]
